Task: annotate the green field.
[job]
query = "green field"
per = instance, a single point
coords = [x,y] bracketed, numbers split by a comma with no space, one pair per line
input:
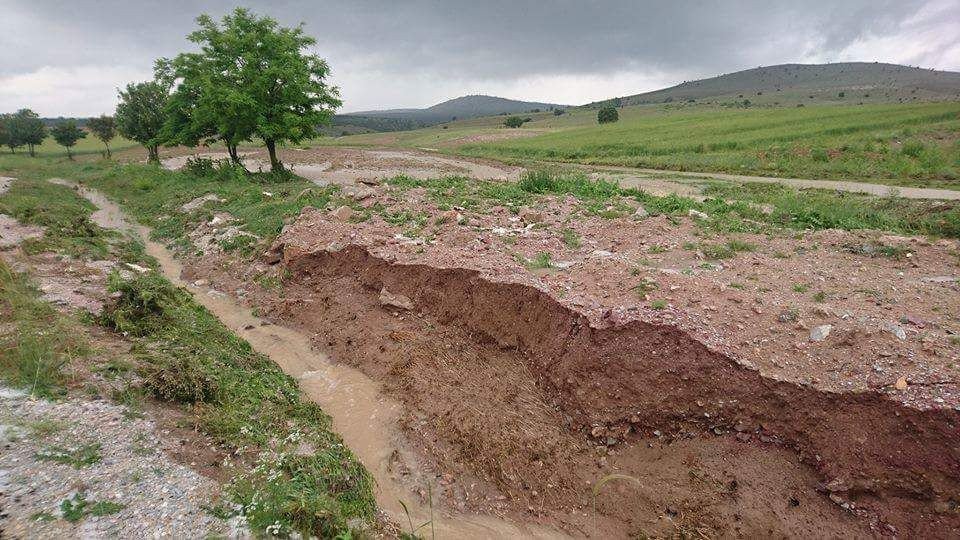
[87,145]
[909,145]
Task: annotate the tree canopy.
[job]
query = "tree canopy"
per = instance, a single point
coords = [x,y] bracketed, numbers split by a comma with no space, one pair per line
[104,128]
[141,114]
[251,78]
[67,134]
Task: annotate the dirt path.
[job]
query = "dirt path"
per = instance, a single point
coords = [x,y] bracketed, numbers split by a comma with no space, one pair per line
[644,178]
[365,418]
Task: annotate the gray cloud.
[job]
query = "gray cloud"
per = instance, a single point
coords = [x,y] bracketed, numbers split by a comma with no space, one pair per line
[415,53]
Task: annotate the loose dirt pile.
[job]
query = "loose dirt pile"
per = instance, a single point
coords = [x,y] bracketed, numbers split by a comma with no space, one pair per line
[796,384]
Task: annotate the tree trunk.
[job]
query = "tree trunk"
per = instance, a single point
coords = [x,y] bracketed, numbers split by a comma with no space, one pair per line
[275,164]
[154,154]
[69,154]
[108,150]
[32,154]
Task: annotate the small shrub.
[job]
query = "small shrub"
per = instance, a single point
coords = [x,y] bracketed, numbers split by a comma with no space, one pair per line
[514,122]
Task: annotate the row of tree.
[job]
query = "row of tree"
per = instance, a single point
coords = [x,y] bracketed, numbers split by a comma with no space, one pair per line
[251,79]
[25,128]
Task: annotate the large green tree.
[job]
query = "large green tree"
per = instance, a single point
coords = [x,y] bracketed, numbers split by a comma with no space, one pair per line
[23,128]
[31,129]
[254,78]
[67,134]
[104,128]
[141,114]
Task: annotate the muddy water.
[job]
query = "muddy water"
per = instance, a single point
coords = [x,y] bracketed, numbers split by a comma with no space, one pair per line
[365,418]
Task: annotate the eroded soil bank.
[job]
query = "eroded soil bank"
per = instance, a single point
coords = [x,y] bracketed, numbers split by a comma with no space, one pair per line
[526,387]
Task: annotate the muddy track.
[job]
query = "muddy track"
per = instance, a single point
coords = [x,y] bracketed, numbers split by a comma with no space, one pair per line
[618,384]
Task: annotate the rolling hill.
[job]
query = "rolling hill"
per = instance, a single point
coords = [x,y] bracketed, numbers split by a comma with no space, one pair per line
[787,84]
[455,109]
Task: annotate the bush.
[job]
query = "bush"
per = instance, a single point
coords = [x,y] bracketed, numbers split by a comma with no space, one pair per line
[607,115]
[559,112]
[514,122]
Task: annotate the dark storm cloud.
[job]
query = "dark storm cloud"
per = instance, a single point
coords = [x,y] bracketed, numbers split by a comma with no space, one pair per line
[400,48]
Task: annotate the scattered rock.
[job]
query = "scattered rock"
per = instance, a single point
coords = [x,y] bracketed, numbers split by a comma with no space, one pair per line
[894,329]
[531,216]
[697,214]
[901,384]
[641,213]
[820,333]
[388,299]
[344,213]
[200,201]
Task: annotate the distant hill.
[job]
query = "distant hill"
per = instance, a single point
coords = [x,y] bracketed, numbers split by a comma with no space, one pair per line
[786,84]
[455,109]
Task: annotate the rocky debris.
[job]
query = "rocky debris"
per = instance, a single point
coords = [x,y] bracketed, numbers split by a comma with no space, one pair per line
[200,201]
[358,193]
[697,214]
[640,213]
[154,496]
[388,299]
[343,213]
[821,332]
[901,384]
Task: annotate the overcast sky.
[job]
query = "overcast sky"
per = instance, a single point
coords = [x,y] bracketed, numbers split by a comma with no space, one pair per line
[68,58]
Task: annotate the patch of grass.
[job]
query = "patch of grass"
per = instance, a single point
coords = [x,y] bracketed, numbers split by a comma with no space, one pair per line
[820,296]
[657,248]
[78,507]
[540,261]
[801,287]
[718,251]
[41,342]
[658,304]
[244,400]
[42,517]
[571,239]
[77,457]
[646,286]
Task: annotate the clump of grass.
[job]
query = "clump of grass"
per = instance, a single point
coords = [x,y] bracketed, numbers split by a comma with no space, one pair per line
[43,341]
[658,304]
[657,248]
[646,286]
[78,507]
[801,287]
[542,260]
[244,400]
[570,238]
[75,456]
[819,297]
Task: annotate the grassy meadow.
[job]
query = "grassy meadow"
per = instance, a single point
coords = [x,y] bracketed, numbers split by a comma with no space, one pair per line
[908,145]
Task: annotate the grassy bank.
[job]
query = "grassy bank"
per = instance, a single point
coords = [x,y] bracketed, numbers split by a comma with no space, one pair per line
[290,473]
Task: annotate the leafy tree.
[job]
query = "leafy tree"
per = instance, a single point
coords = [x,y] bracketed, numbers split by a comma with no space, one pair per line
[23,128]
[29,129]
[607,115]
[261,74]
[559,112]
[67,134]
[5,139]
[104,128]
[140,114]
[513,122]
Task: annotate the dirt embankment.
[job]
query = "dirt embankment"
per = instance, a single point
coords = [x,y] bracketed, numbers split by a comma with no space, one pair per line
[620,385]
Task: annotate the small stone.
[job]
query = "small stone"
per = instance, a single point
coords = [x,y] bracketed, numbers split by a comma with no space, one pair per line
[697,214]
[344,213]
[820,333]
[531,216]
[399,301]
[895,329]
[901,384]
[641,213]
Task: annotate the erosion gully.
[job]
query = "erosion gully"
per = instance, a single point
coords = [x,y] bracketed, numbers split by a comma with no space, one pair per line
[362,415]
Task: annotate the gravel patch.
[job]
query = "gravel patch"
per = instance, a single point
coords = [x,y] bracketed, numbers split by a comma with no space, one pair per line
[51,452]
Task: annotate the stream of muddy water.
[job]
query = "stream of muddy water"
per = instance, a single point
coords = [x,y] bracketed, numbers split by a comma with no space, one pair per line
[365,418]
